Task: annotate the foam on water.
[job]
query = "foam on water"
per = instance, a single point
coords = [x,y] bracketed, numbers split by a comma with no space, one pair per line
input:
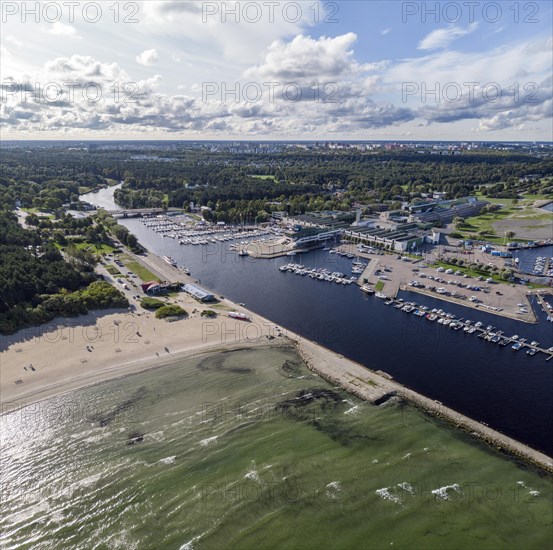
[309,472]
[393,494]
[387,494]
[98,437]
[156,436]
[88,481]
[445,492]
[190,544]
[406,487]
[252,476]
[332,489]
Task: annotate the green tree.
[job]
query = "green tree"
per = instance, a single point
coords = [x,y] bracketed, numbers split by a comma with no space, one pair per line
[132,241]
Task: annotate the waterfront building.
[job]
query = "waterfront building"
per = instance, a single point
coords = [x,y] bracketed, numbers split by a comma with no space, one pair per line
[198,293]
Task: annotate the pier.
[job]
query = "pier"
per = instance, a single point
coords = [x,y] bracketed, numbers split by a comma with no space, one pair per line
[546,307]
[489,334]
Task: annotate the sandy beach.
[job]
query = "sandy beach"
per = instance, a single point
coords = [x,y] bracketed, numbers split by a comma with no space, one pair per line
[41,362]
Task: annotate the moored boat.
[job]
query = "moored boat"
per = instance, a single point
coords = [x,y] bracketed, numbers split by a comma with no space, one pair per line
[238,316]
[170,261]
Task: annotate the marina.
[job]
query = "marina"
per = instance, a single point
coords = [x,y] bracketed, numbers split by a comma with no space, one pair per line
[488,333]
[191,231]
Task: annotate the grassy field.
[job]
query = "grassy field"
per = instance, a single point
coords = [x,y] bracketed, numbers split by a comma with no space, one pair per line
[38,212]
[143,273]
[379,285]
[475,273]
[520,217]
[96,248]
[261,177]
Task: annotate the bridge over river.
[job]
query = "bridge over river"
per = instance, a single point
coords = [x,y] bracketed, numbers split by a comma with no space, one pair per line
[140,212]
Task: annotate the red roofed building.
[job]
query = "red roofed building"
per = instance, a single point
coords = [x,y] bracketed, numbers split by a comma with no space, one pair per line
[152,287]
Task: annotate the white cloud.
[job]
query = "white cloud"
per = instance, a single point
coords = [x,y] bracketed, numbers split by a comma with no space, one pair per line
[148,58]
[305,58]
[8,62]
[384,32]
[450,86]
[4,52]
[442,38]
[60,29]
[530,60]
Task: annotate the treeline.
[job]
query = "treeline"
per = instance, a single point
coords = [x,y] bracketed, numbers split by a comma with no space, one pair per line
[37,284]
[108,224]
[321,180]
[174,176]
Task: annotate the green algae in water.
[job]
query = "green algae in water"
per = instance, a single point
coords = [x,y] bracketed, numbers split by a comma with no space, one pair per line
[248,449]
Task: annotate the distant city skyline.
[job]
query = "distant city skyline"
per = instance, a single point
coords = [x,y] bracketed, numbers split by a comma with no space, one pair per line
[288,71]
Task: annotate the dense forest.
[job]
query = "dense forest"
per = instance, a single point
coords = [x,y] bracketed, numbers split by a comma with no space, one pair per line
[239,185]
[38,284]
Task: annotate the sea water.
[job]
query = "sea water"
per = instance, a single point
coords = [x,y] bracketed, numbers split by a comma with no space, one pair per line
[249,449]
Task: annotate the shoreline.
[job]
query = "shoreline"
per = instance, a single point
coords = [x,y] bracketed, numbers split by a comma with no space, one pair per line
[204,336]
[118,372]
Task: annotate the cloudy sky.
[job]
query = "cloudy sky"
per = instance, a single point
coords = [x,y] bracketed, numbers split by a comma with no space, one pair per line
[276,70]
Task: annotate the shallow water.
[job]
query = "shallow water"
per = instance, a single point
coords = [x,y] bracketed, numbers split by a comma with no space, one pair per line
[248,449]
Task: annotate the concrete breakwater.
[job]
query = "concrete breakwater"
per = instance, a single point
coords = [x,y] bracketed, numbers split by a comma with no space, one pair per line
[375,388]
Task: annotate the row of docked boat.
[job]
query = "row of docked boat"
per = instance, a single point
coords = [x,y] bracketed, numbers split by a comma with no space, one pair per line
[190,232]
[543,266]
[358,267]
[342,253]
[488,333]
[320,274]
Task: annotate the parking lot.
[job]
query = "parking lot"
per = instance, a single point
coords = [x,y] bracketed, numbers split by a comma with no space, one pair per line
[391,273]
